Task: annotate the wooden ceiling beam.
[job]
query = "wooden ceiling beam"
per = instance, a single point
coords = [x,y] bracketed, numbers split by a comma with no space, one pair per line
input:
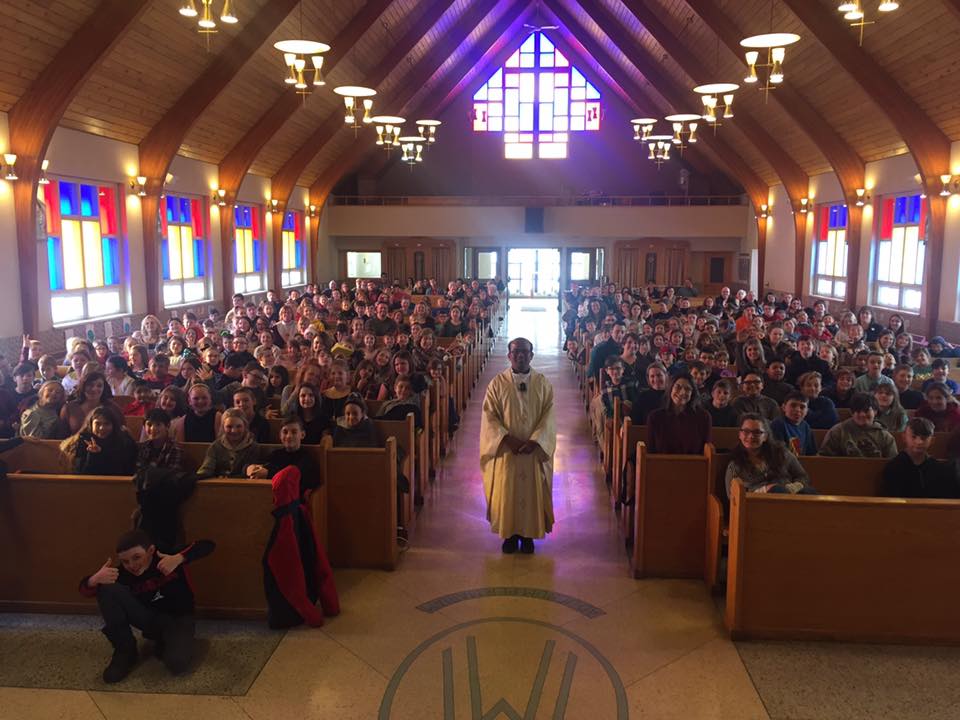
[756,189]
[285,179]
[795,180]
[36,115]
[432,106]
[235,164]
[954,7]
[240,157]
[928,144]
[161,143]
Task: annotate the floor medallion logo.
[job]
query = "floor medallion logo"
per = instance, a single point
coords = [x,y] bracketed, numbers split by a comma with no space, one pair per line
[504,669]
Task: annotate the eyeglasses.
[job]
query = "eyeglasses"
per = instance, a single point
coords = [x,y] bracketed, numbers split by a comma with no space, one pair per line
[753,433]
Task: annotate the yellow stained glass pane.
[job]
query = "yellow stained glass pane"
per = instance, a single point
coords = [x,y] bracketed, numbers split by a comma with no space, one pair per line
[72,254]
[173,251]
[186,252]
[289,250]
[244,250]
[92,253]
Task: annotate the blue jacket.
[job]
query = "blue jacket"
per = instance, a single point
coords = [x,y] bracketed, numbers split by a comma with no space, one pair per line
[798,438]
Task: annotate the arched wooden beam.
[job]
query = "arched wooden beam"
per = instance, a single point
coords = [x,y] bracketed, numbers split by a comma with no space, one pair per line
[285,179]
[508,24]
[233,168]
[927,143]
[845,161]
[161,143]
[954,7]
[34,118]
[795,180]
[756,189]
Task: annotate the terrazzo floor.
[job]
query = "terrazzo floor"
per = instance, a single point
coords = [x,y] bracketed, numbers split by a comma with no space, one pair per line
[461,631]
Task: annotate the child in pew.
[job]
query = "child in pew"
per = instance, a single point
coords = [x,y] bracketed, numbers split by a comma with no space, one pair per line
[913,473]
[245,400]
[940,374]
[404,401]
[144,400]
[891,414]
[860,435]
[41,420]
[24,392]
[102,446]
[159,450]
[792,429]
[436,368]
[940,407]
[201,421]
[234,451]
[150,591]
[721,412]
[617,387]
[47,370]
[764,465]
[292,453]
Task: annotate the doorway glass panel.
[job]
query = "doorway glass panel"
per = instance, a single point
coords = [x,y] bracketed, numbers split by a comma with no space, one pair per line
[486,264]
[579,265]
[534,272]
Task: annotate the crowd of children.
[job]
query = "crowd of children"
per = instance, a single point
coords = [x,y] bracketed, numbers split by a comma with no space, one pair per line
[313,359]
[770,366]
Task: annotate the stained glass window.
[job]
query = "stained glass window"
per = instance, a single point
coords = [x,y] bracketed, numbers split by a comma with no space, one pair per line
[248,249]
[830,252]
[84,236]
[183,250]
[901,252]
[293,268]
[536,100]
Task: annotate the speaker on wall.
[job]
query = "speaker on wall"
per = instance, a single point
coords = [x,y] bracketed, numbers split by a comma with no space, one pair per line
[533,220]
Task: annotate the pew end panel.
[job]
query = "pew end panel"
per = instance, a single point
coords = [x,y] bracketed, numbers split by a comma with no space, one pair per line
[843,568]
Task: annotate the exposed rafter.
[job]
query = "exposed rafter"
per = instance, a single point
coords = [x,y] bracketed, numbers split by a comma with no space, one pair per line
[162,142]
[286,177]
[756,189]
[846,163]
[794,179]
[235,164]
[35,116]
[508,24]
[927,143]
[331,175]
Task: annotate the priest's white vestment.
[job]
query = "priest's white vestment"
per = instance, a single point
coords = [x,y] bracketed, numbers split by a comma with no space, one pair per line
[518,488]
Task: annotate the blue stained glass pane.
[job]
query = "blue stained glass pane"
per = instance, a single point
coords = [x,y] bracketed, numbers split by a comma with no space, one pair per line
[900,210]
[256,255]
[111,261]
[289,221]
[238,216]
[54,261]
[171,209]
[89,204]
[915,208]
[185,211]
[69,202]
[165,255]
[298,253]
[199,262]
[247,221]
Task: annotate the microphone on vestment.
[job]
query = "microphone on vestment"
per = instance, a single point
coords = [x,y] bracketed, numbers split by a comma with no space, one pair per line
[522,387]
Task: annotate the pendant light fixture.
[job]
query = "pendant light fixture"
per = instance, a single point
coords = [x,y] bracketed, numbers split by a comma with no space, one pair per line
[854,14]
[389,128]
[353,117]
[775,43]
[303,59]
[206,18]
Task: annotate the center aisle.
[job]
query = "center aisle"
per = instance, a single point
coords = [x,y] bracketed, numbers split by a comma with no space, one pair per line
[459,628]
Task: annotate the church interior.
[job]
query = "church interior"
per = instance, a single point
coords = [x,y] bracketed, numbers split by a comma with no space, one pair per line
[303,218]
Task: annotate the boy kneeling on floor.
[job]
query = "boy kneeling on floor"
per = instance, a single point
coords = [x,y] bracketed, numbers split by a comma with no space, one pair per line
[150,591]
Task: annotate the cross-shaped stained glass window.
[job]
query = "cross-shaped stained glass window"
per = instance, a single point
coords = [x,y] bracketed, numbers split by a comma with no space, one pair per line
[536,100]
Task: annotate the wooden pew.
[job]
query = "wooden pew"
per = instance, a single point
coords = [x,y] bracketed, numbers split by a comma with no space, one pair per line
[852,477]
[670,513]
[842,568]
[406,435]
[630,435]
[362,506]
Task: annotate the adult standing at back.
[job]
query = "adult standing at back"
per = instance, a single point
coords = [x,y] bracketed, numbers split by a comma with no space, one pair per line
[518,437]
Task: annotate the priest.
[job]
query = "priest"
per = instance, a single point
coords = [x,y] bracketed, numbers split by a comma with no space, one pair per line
[518,437]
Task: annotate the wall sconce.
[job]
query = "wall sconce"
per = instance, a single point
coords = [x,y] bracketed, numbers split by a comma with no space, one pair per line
[804,202]
[764,211]
[946,191]
[274,204]
[44,180]
[139,184]
[313,211]
[10,159]
[219,196]
[862,197]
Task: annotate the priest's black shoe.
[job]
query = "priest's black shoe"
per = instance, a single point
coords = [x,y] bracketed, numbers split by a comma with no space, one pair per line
[510,544]
[526,546]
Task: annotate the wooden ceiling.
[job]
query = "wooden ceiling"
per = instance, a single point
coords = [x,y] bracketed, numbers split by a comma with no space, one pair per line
[150,67]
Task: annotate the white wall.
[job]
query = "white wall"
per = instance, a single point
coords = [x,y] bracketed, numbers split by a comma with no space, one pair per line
[780,262]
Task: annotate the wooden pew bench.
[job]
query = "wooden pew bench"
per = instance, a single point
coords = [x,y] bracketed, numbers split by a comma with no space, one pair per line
[843,568]
[670,513]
